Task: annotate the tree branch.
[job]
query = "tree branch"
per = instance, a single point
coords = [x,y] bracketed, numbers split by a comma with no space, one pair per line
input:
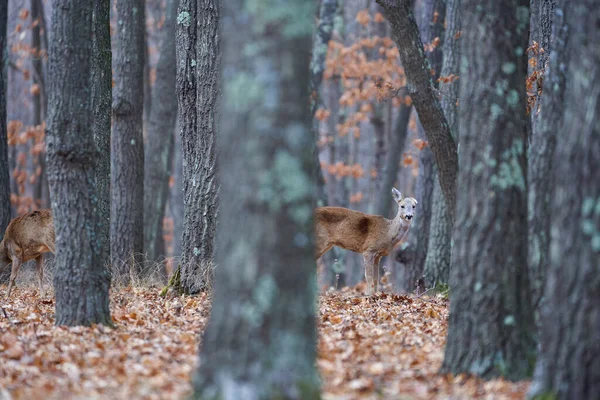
[405,33]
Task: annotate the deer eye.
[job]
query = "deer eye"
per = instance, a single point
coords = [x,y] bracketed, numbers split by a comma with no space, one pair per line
[414,207]
[401,206]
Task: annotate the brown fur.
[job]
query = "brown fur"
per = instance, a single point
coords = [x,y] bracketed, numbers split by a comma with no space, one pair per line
[26,238]
[371,235]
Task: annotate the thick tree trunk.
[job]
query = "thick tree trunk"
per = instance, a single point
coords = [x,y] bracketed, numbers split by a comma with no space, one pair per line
[437,263]
[101,125]
[161,138]
[405,33]
[81,281]
[5,209]
[569,361]
[127,169]
[261,340]
[176,199]
[541,149]
[198,54]
[491,320]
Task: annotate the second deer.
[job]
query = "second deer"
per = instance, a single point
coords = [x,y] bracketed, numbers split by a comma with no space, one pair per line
[26,238]
[371,235]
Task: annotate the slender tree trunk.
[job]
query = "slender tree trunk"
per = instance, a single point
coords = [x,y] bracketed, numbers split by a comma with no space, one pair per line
[127,169]
[425,97]
[81,281]
[5,209]
[541,150]
[431,26]
[101,126]
[491,320]
[261,340]
[198,56]
[39,96]
[161,137]
[437,263]
[325,26]
[568,365]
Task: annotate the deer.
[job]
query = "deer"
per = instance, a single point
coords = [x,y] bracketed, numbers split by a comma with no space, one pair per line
[373,236]
[27,237]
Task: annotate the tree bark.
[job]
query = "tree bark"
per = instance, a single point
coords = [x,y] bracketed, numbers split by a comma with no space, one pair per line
[127,169]
[568,365]
[260,342]
[431,15]
[491,325]
[541,150]
[198,55]
[320,46]
[101,125]
[161,138]
[81,281]
[425,98]
[5,209]
[437,263]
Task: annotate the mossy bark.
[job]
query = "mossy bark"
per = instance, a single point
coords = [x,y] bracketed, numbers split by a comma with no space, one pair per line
[491,329]
[260,342]
[568,364]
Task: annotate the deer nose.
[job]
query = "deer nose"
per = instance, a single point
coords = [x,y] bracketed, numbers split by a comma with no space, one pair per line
[409,217]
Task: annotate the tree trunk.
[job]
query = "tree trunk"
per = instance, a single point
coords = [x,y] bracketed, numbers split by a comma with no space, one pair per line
[491,326]
[431,26]
[327,14]
[198,56]
[261,340]
[541,150]
[5,209]
[437,263]
[425,98]
[101,126]
[569,361]
[176,199]
[127,169]
[161,137]
[81,281]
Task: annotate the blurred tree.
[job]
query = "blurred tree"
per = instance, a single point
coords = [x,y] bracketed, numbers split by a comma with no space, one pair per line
[161,137]
[81,281]
[101,124]
[437,263]
[542,145]
[198,55]
[127,164]
[568,365]
[491,320]
[261,340]
[5,211]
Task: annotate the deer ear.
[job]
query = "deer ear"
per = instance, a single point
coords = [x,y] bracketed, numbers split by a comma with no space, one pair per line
[397,195]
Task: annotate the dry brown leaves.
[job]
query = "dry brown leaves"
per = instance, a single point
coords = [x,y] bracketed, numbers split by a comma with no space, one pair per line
[389,347]
[149,355]
[381,347]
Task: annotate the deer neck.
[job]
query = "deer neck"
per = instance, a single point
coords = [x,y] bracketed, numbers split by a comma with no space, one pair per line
[398,228]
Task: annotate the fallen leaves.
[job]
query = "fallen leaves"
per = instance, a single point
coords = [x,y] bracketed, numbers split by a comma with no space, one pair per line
[378,347]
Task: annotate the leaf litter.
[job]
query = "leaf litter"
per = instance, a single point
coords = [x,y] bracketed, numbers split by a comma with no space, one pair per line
[385,346]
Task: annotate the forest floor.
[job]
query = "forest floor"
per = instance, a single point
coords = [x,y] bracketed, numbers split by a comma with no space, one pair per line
[381,347]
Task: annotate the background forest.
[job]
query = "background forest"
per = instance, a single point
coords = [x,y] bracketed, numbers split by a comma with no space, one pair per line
[183,145]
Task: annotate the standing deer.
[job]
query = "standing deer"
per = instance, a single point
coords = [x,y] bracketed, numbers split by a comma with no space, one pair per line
[371,235]
[27,237]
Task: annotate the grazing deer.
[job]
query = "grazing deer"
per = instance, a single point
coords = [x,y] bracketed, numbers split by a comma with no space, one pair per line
[371,235]
[27,237]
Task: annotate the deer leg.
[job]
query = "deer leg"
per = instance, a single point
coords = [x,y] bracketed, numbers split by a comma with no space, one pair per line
[40,272]
[368,261]
[376,272]
[16,264]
